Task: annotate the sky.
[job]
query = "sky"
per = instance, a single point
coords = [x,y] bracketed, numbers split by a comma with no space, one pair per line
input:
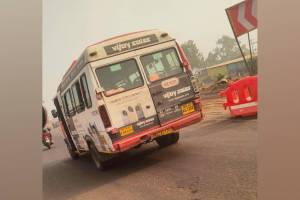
[71,25]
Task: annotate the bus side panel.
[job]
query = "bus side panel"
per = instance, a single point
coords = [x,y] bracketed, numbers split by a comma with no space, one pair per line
[94,120]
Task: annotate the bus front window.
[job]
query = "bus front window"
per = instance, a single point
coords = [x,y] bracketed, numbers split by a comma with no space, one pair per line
[119,77]
[162,64]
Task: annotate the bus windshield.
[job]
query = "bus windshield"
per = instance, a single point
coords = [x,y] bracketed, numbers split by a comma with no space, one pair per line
[119,77]
[161,64]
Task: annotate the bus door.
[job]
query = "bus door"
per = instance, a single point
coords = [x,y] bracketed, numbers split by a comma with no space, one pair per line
[127,98]
[64,124]
[170,86]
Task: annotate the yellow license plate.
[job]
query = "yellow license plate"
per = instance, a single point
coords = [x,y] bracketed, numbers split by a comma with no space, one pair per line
[126,130]
[187,108]
[164,132]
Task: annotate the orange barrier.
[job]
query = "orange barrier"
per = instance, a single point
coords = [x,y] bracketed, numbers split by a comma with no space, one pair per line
[241,97]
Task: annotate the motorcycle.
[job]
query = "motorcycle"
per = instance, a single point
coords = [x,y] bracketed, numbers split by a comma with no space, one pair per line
[47,138]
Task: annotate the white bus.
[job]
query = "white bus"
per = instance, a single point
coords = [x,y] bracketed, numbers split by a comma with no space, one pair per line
[126,91]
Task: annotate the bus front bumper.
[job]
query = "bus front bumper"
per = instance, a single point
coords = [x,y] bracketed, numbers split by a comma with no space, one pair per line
[139,138]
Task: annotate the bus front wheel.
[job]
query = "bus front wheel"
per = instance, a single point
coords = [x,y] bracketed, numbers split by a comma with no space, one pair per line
[167,140]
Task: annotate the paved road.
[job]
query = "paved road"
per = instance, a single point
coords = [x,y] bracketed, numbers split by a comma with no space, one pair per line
[214,160]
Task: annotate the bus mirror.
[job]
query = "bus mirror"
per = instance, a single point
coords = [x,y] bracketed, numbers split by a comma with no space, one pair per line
[54,113]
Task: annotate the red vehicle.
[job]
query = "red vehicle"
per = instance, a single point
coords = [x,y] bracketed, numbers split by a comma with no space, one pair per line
[241,97]
[47,138]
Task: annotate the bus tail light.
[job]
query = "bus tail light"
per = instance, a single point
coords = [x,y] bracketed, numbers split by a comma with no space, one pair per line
[184,59]
[114,131]
[197,103]
[104,116]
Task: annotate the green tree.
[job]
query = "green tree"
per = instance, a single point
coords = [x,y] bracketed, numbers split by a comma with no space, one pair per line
[226,49]
[193,54]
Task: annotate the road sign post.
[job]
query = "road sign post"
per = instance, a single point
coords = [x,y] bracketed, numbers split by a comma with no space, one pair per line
[242,19]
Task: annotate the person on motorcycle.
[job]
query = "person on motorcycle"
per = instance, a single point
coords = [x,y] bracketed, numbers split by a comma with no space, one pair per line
[46,134]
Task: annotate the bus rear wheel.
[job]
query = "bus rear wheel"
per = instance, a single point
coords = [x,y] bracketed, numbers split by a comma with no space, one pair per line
[98,159]
[167,140]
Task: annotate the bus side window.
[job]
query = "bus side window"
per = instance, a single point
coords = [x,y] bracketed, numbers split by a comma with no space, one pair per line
[85,91]
[64,105]
[78,99]
[69,103]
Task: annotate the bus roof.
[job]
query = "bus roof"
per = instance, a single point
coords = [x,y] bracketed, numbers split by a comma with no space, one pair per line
[111,47]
